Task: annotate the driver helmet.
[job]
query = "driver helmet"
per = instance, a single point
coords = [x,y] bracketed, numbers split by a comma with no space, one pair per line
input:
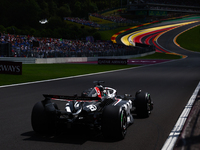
[104,93]
[102,90]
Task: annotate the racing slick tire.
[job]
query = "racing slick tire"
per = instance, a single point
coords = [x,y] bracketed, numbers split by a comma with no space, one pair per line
[143,104]
[41,121]
[114,122]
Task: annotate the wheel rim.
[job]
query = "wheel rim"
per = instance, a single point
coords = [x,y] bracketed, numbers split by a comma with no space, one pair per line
[123,123]
[149,106]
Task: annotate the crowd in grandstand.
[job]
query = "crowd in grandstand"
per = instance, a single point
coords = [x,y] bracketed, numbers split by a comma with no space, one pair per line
[82,21]
[115,19]
[23,46]
[174,9]
[175,2]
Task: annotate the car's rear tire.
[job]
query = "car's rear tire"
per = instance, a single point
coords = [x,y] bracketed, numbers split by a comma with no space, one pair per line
[142,103]
[114,122]
[41,121]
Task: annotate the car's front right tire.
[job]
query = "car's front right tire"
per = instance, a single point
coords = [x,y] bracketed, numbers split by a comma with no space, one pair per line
[143,104]
[114,122]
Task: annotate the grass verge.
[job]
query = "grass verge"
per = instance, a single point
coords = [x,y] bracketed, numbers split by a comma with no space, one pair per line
[190,39]
[38,72]
[106,35]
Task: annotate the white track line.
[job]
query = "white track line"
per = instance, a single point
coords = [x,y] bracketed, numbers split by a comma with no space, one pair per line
[42,81]
[173,136]
[12,85]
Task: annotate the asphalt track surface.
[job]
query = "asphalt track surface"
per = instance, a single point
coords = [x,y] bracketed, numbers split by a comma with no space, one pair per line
[170,84]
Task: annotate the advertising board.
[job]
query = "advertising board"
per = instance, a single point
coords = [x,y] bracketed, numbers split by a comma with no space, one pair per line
[112,61]
[10,67]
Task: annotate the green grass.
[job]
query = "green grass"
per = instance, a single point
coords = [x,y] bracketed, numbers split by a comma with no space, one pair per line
[99,20]
[112,12]
[106,35]
[190,39]
[37,72]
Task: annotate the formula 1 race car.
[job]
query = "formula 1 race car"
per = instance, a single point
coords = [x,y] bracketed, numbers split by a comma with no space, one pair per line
[98,107]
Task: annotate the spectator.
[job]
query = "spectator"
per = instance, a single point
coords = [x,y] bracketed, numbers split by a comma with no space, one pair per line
[83,22]
[22,46]
[115,19]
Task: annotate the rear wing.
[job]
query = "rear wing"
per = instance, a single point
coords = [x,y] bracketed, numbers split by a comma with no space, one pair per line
[71,98]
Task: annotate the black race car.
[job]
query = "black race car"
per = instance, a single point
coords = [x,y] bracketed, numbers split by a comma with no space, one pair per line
[98,107]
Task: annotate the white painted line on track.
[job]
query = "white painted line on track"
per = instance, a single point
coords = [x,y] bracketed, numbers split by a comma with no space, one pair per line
[57,79]
[173,136]
[42,81]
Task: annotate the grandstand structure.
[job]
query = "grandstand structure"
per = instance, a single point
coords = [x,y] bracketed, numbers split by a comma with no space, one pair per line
[158,8]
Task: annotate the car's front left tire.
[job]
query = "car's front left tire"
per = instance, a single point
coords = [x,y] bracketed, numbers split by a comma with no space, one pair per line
[42,122]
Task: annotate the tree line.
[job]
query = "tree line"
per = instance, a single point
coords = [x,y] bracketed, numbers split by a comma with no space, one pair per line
[22,16]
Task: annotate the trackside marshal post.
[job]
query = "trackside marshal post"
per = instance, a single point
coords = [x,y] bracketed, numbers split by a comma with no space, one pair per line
[112,61]
[10,67]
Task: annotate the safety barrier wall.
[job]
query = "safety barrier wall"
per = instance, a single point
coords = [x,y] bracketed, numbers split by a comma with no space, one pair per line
[60,60]
[24,60]
[44,60]
[66,59]
[120,57]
